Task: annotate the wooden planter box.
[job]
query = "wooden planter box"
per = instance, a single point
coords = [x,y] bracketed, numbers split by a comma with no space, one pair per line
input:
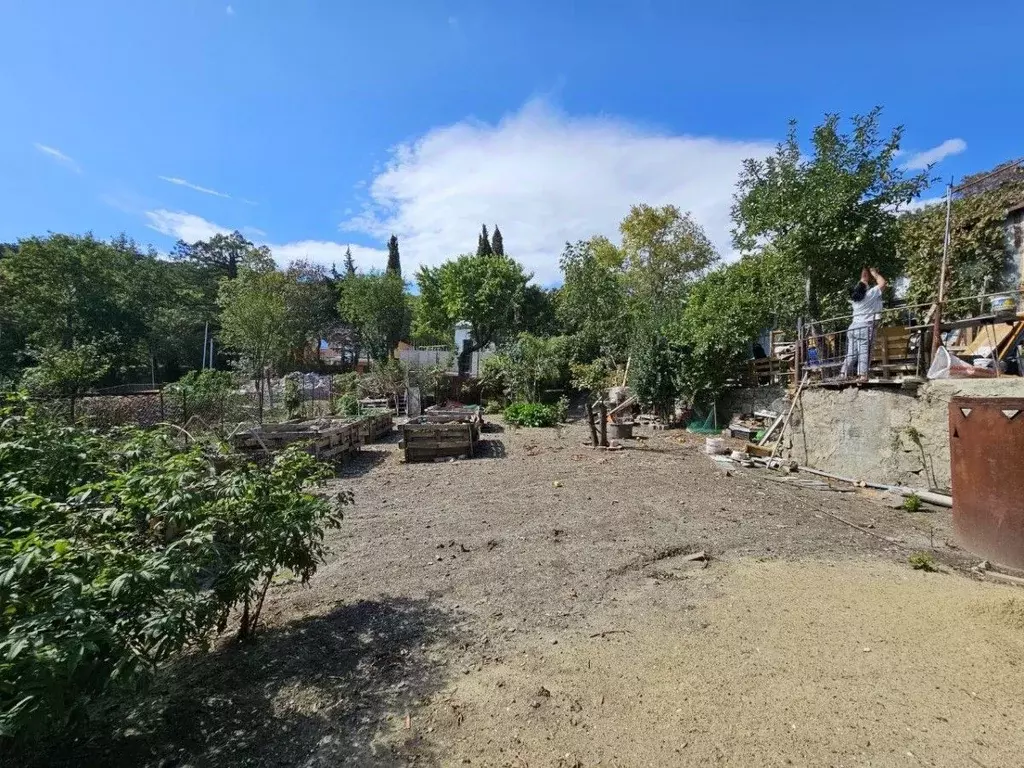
[327,441]
[439,414]
[423,440]
[374,426]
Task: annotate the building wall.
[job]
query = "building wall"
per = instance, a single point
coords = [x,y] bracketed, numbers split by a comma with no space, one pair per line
[870,433]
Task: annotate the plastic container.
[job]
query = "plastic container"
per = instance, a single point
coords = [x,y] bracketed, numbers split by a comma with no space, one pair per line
[715,446]
[1003,302]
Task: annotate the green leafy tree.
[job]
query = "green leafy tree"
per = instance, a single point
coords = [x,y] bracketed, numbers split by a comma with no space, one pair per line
[350,263]
[376,304]
[726,311]
[63,372]
[497,242]
[483,246]
[663,251]
[830,210]
[656,370]
[312,301]
[592,303]
[222,253]
[485,291]
[255,320]
[394,259]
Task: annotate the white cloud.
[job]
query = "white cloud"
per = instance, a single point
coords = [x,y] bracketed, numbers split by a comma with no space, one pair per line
[922,160]
[183,226]
[327,253]
[196,187]
[59,156]
[190,227]
[924,202]
[229,11]
[545,178]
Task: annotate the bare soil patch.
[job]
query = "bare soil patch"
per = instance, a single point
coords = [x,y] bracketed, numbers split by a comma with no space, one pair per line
[479,612]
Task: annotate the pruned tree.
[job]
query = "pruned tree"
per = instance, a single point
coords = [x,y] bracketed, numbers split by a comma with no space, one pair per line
[832,209]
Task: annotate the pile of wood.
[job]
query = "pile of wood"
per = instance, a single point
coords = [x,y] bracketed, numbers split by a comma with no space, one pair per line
[326,439]
[425,440]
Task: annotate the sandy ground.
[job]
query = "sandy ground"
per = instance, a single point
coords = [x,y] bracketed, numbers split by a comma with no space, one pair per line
[536,606]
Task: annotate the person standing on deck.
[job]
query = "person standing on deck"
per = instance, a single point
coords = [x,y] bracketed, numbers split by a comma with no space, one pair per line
[867,305]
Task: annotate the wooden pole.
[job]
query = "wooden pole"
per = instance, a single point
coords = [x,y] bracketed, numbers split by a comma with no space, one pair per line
[590,423]
[602,411]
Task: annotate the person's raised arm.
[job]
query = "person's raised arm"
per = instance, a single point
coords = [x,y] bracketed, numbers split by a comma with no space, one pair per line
[879,280]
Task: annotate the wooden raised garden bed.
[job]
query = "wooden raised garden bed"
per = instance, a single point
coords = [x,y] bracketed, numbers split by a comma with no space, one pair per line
[442,414]
[424,440]
[374,426]
[327,440]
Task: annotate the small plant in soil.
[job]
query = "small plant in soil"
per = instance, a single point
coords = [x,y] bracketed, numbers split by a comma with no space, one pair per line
[923,561]
[912,503]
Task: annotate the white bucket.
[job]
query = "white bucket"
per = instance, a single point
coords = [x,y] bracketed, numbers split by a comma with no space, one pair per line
[715,446]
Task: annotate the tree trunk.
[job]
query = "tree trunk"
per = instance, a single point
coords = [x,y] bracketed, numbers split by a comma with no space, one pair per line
[590,423]
[602,412]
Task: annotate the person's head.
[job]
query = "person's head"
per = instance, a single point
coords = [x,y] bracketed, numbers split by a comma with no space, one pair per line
[858,292]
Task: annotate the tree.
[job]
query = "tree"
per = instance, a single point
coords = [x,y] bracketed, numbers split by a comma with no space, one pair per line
[394,260]
[656,368]
[312,300]
[497,242]
[376,304]
[483,247]
[485,291]
[66,372]
[255,321]
[350,263]
[663,250]
[831,211]
[726,311]
[592,304]
[221,253]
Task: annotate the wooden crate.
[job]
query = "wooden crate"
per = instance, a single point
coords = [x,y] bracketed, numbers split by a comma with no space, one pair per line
[423,440]
[327,440]
[440,414]
[374,426]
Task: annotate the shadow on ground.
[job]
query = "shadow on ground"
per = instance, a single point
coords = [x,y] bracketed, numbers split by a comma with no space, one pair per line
[315,692]
[490,449]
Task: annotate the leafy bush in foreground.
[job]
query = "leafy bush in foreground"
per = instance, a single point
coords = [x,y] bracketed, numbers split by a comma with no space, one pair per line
[531,415]
[117,551]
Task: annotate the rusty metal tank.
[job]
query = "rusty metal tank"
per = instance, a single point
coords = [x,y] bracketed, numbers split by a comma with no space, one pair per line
[986,454]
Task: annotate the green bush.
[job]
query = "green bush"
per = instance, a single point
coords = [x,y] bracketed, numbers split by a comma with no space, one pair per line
[531,415]
[119,550]
[346,405]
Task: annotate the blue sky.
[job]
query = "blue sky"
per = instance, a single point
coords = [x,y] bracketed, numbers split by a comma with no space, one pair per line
[312,125]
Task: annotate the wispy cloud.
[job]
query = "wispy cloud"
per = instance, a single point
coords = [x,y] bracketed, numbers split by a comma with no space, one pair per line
[59,156]
[229,11]
[922,160]
[183,226]
[196,187]
[545,178]
[190,227]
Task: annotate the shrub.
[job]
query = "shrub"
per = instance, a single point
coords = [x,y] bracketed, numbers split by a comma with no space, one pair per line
[118,551]
[923,561]
[912,503]
[346,405]
[531,415]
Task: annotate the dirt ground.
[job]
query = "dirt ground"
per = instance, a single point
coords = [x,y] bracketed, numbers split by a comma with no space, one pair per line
[537,606]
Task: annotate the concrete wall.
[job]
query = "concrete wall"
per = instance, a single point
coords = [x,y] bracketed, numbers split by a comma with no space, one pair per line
[869,433]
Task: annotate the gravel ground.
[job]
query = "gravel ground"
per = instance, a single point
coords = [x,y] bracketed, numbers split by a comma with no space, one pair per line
[540,606]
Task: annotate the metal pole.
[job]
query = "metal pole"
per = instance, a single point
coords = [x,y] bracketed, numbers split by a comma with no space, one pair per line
[937,330]
[212,366]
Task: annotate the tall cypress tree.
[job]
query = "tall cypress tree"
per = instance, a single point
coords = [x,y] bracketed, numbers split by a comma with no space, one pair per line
[497,244]
[394,260]
[483,243]
[350,264]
